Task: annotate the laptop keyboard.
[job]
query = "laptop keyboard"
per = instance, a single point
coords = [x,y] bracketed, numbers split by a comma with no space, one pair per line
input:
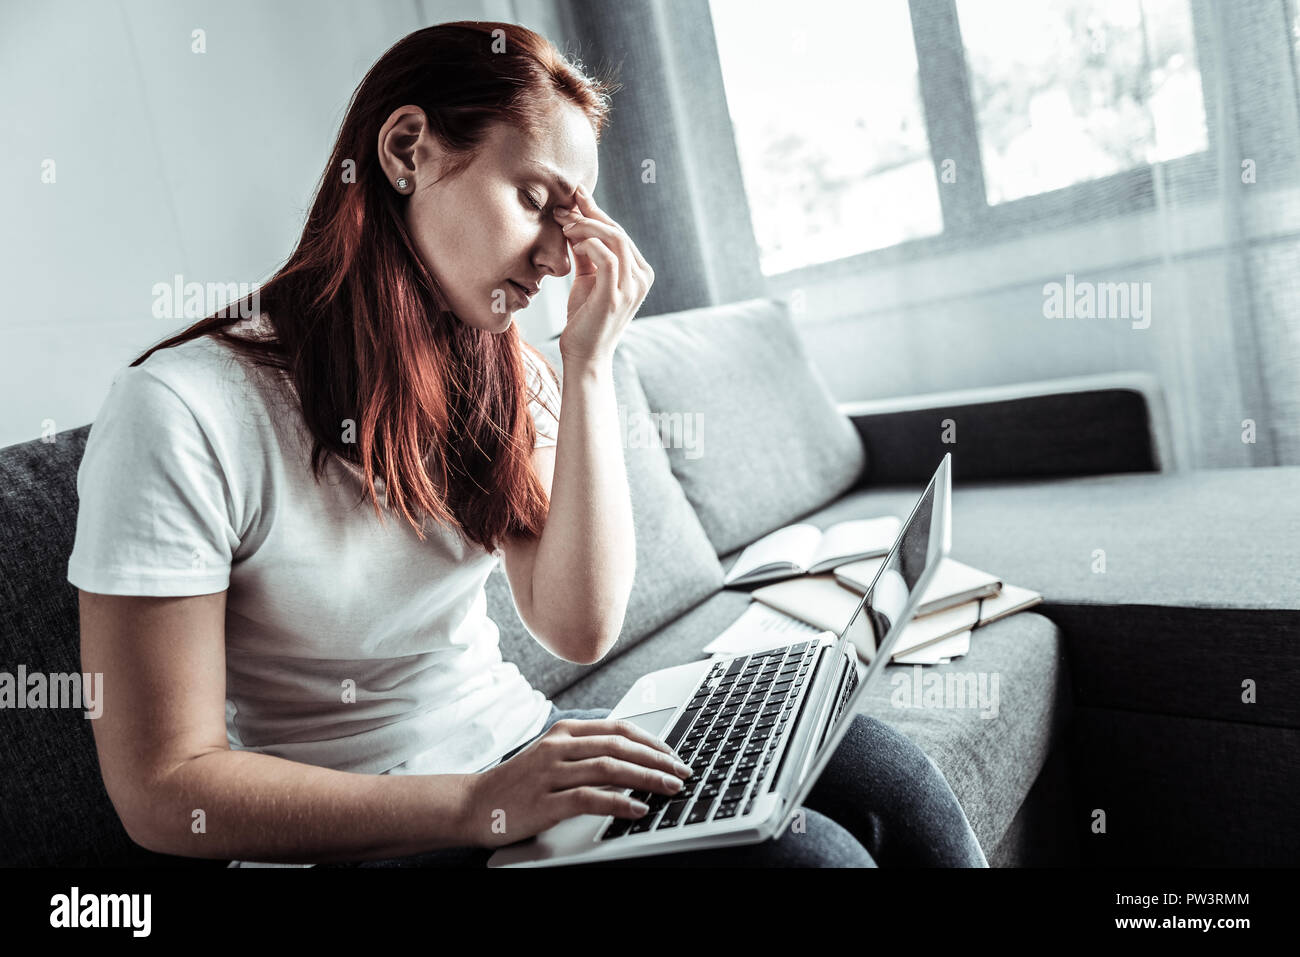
[728,734]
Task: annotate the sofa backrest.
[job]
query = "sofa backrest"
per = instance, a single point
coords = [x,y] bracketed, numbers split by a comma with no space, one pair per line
[774,444]
[1098,424]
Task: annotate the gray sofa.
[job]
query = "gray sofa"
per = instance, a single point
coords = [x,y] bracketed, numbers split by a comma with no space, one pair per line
[1123,735]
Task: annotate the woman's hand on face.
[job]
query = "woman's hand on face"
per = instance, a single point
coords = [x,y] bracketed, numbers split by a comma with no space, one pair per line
[611,281]
[563,774]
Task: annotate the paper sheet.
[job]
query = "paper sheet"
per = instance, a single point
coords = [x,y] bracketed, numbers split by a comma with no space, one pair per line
[757,628]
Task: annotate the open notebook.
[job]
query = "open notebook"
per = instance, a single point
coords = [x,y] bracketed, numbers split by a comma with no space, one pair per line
[805,549]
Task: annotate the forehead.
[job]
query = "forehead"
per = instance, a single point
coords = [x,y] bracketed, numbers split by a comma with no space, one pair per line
[565,143]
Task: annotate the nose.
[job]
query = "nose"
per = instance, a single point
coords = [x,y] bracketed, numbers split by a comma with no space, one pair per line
[552,251]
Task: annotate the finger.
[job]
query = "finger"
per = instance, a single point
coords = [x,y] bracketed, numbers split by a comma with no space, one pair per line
[589,800]
[586,205]
[583,264]
[636,253]
[606,267]
[619,727]
[605,770]
[615,239]
[662,758]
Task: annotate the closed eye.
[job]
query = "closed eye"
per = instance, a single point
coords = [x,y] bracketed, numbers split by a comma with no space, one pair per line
[531,201]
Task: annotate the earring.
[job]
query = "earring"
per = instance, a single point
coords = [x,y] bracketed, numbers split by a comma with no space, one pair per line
[401,182]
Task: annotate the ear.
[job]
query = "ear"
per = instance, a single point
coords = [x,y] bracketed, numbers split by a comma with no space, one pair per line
[407,149]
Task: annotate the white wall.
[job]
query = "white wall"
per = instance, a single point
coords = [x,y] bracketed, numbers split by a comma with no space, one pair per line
[167,161]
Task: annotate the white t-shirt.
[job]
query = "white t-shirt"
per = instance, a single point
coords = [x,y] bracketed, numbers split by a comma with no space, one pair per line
[349,644]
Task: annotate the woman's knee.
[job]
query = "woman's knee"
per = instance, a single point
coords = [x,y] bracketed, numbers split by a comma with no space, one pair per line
[894,761]
[812,839]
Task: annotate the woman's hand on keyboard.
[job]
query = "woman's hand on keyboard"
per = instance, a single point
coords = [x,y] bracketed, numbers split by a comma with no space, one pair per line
[566,772]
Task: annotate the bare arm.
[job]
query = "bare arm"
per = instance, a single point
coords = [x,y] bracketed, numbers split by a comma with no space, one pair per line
[572,584]
[164,756]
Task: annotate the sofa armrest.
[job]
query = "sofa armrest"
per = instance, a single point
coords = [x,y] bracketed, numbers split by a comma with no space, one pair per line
[1086,425]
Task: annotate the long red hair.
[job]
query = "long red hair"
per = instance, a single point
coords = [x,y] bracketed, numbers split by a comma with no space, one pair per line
[361,327]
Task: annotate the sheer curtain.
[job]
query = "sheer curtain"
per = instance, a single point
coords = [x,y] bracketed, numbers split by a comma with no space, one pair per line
[1223,245]
[1107,185]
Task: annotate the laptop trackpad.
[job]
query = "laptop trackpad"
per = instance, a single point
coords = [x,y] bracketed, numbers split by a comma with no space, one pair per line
[656,722]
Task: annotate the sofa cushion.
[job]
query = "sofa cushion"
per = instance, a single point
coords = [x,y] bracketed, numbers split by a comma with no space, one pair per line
[769,443]
[1199,589]
[676,567]
[990,762]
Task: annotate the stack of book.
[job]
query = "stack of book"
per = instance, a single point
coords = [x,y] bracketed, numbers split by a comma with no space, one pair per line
[820,578]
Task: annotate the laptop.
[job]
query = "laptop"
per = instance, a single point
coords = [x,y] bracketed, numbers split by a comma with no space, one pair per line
[757,728]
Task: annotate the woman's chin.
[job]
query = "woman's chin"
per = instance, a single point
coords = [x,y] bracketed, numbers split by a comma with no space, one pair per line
[500,321]
[490,321]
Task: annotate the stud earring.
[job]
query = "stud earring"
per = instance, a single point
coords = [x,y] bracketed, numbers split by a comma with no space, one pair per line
[401,182]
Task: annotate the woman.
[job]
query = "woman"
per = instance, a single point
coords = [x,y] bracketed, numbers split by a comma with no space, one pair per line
[295,678]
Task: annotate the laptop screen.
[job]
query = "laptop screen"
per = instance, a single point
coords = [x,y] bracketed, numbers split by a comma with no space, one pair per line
[890,602]
[900,574]
[886,599]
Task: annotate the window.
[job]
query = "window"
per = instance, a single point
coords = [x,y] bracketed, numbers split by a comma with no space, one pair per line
[842,138]
[1080,89]
[829,128]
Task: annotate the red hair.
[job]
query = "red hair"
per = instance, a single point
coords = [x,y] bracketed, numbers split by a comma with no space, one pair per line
[362,329]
